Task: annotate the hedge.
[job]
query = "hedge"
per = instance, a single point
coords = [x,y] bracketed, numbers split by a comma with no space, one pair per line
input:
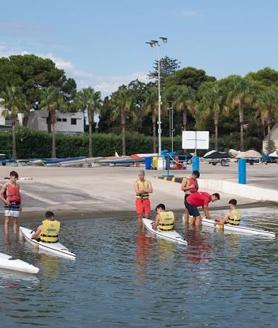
[37,144]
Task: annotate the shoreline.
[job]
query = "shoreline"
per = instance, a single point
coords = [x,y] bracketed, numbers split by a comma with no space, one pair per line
[31,215]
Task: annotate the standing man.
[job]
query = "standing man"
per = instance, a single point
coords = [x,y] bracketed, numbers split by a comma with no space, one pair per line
[10,195]
[189,185]
[143,188]
[200,199]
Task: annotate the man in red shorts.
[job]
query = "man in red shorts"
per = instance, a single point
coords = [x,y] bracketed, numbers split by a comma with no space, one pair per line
[143,188]
[199,199]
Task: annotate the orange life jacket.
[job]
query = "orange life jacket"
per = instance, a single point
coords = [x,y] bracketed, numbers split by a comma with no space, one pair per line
[190,182]
[13,193]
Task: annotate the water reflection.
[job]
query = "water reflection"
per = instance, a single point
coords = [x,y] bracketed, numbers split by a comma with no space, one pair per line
[124,277]
[198,249]
[49,265]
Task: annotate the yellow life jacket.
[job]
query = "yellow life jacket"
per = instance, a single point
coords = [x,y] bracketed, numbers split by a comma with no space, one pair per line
[142,185]
[50,231]
[234,217]
[166,221]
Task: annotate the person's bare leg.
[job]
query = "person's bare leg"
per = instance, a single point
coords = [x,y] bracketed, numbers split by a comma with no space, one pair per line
[186,217]
[16,225]
[198,221]
[6,224]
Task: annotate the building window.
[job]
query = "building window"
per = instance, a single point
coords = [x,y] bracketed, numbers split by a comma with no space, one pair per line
[73,121]
[61,120]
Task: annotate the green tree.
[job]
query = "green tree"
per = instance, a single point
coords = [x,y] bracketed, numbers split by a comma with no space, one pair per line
[123,106]
[150,107]
[184,102]
[168,66]
[241,97]
[14,102]
[267,105]
[32,74]
[90,101]
[266,76]
[212,99]
[52,100]
[189,76]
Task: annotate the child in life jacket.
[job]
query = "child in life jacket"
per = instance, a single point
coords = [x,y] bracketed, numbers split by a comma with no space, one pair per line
[10,195]
[49,230]
[164,220]
[232,217]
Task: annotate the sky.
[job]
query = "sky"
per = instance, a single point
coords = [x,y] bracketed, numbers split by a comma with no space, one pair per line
[101,43]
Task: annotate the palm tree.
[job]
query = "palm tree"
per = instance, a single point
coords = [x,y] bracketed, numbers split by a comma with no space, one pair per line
[241,97]
[122,103]
[184,101]
[14,102]
[151,107]
[89,100]
[211,104]
[267,105]
[52,100]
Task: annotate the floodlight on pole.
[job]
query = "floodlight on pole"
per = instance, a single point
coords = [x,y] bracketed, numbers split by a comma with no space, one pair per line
[152,44]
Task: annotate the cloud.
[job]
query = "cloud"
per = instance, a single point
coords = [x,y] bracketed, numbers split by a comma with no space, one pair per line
[188,13]
[104,83]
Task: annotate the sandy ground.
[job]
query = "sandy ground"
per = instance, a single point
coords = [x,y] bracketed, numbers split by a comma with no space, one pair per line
[105,191]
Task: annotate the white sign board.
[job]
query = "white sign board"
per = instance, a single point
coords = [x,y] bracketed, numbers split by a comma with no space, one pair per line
[195,140]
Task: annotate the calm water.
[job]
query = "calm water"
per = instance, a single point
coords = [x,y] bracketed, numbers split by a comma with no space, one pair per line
[124,278]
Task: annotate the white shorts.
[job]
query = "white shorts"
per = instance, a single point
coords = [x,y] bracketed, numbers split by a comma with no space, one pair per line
[12,213]
[12,210]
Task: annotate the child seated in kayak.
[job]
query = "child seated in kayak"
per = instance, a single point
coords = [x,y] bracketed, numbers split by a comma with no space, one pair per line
[164,220]
[49,230]
[232,217]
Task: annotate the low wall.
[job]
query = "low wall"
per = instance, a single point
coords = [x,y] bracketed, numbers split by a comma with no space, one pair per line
[256,193]
[232,188]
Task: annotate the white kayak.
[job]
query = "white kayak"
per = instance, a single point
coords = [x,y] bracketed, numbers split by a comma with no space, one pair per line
[240,229]
[54,248]
[172,236]
[8,262]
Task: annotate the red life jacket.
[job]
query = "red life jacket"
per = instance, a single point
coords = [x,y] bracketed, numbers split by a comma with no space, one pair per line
[193,182]
[13,193]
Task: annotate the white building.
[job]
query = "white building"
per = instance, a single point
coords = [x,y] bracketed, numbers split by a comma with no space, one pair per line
[3,122]
[66,122]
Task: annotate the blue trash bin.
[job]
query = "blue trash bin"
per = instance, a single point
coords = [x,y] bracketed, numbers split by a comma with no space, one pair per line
[148,163]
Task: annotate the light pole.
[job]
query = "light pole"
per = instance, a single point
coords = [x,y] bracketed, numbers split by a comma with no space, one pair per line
[152,44]
[171,125]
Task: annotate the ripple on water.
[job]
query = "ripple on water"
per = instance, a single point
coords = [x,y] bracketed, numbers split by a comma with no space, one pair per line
[123,277]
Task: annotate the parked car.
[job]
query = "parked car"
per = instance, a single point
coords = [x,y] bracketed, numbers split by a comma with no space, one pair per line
[6,161]
[3,159]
